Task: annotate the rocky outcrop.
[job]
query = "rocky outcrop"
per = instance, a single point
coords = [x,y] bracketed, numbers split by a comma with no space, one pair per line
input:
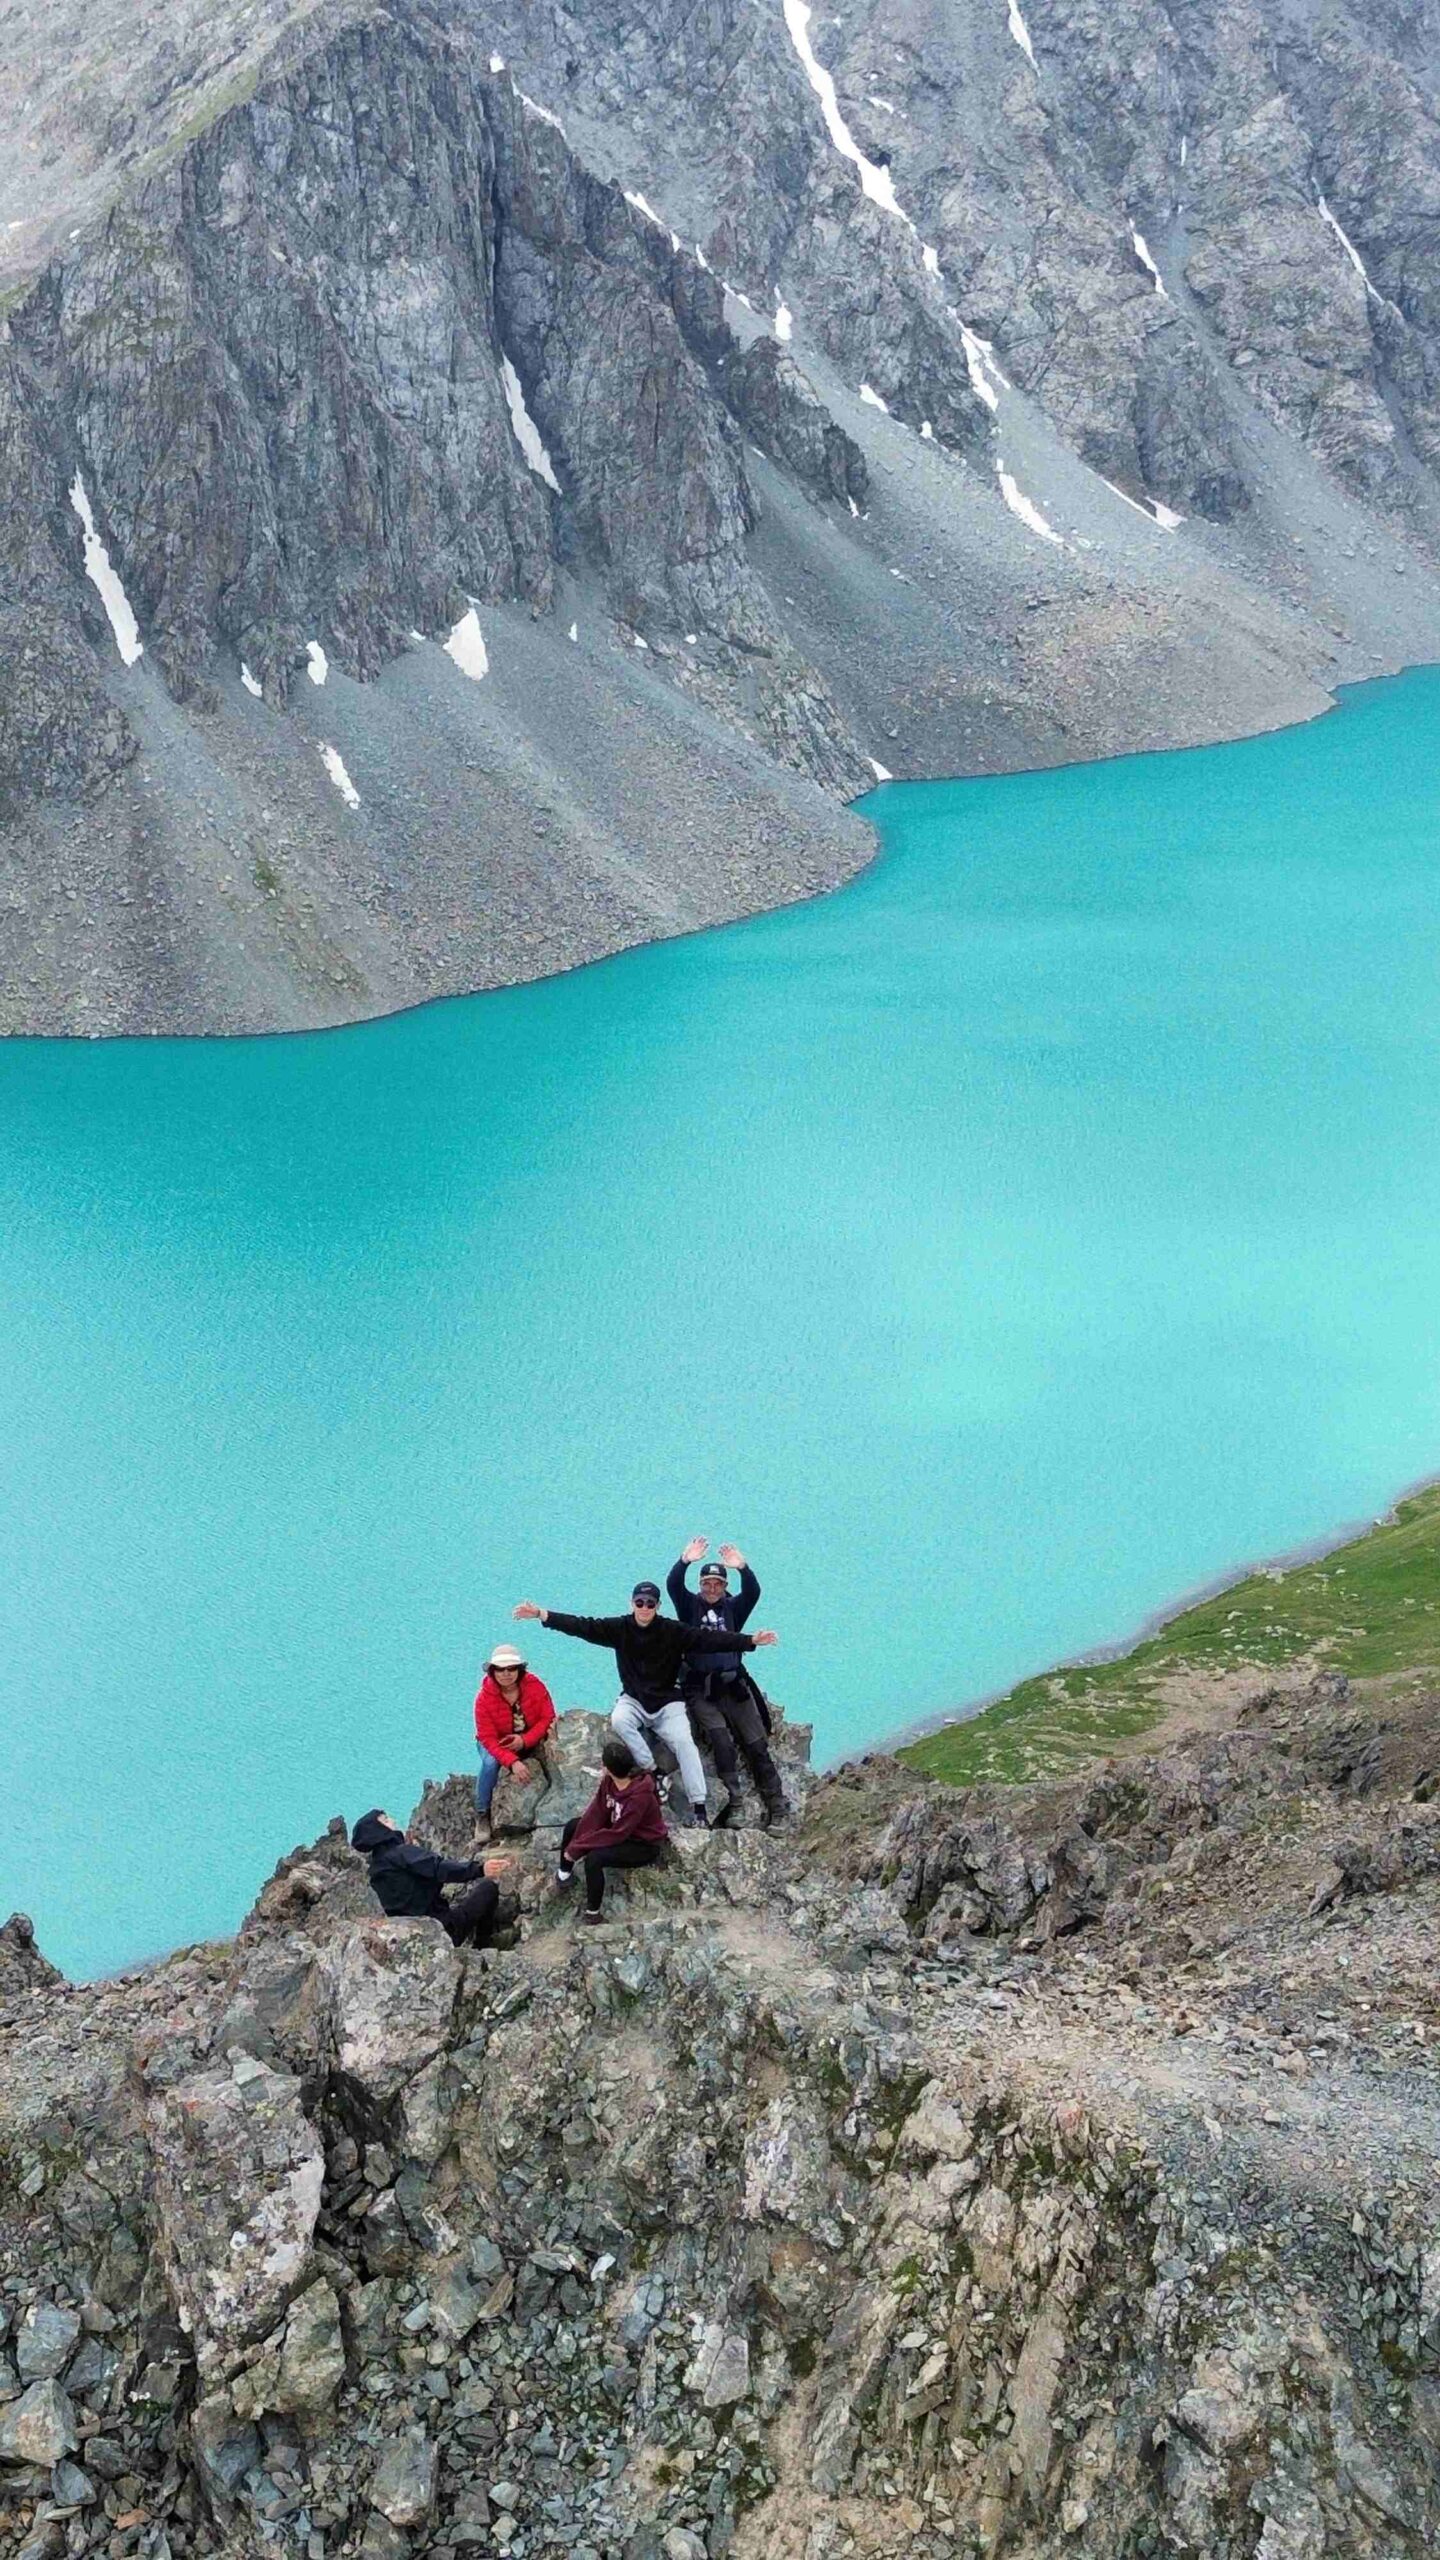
[22,1966]
[764,2219]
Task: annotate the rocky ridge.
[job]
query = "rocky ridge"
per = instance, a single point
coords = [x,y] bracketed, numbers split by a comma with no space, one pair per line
[744,402]
[951,2173]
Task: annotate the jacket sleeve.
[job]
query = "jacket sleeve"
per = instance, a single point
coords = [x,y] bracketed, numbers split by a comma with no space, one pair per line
[749,1594]
[543,1717]
[719,1640]
[606,1631]
[683,1602]
[437,1870]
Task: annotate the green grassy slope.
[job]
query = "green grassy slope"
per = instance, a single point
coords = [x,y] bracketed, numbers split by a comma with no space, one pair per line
[1371,1609]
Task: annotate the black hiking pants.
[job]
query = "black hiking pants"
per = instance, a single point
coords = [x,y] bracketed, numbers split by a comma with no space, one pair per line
[471,1918]
[626,1853]
[725,1717]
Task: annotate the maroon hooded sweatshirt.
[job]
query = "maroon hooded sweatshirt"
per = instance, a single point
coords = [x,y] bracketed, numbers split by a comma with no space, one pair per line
[616,1813]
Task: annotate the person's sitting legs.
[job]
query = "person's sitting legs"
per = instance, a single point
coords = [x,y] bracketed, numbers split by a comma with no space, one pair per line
[470,1921]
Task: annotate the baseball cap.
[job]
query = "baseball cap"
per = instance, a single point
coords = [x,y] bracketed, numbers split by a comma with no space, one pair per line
[647,1591]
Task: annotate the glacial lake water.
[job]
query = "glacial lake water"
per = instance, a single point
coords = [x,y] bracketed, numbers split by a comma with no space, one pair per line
[995,1251]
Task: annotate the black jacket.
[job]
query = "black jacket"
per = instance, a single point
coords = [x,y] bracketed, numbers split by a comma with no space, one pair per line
[650,1660]
[731,1611]
[405,1880]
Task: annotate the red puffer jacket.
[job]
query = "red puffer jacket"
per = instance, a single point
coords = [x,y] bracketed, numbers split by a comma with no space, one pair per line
[495,1724]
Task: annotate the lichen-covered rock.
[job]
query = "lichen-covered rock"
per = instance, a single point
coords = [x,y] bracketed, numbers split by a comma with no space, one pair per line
[392,1986]
[404,2484]
[238,2174]
[39,2427]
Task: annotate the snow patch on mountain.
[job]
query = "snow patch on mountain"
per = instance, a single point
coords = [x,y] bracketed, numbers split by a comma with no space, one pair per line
[1023,507]
[877,182]
[334,764]
[1146,261]
[104,578]
[467,647]
[1021,34]
[527,434]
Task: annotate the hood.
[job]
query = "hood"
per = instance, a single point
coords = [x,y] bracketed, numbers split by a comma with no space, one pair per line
[372,1832]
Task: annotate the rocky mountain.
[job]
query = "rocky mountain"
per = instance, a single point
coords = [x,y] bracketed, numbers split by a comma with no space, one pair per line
[486,481]
[1034,2172]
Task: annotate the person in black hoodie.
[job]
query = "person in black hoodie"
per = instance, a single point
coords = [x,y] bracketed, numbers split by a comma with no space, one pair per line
[650,1654]
[724,1703]
[406,1881]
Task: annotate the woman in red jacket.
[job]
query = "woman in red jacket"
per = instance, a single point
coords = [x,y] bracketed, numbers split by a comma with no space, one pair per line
[621,1826]
[513,1713]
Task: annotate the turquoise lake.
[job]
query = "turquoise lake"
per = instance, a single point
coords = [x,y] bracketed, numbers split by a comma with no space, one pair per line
[995,1251]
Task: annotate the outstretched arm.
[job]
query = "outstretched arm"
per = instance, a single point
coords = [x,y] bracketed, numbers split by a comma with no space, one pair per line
[438,1870]
[728,1639]
[590,1630]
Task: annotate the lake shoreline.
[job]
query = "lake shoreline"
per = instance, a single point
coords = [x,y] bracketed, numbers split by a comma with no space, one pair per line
[1288,1560]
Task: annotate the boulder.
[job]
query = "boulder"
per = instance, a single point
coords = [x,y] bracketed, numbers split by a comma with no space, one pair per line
[38,2428]
[392,1988]
[404,2485]
[301,2373]
[22,1966]
[238,2174]
[45,2341]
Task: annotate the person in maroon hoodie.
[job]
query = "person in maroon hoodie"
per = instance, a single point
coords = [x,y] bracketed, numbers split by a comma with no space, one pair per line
[621,1826]
[513,1714]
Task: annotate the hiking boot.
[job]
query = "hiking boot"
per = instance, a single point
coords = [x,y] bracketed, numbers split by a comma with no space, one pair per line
[564,1876]
[592,1919]
[724,1813]
[773,1812]
[484,1831]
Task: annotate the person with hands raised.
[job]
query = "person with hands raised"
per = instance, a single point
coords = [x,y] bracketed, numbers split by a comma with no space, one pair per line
[725,1706]
[650,1653]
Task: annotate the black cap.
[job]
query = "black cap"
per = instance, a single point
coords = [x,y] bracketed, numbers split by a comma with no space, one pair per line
[647,1591]
[707,1567]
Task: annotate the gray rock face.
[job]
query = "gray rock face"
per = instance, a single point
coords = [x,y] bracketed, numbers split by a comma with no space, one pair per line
[22,1966]
[393,1986]
[335,330]
[238,2174]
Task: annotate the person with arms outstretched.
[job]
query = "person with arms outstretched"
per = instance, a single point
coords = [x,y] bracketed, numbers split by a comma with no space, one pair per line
[650,1654]
[725,1705]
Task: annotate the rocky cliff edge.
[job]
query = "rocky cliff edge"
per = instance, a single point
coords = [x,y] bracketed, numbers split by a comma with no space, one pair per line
[952,2173]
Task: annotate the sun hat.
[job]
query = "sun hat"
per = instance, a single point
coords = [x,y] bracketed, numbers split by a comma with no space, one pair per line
[505,1657]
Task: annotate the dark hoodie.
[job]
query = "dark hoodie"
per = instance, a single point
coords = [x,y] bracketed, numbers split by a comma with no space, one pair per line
[405,1880]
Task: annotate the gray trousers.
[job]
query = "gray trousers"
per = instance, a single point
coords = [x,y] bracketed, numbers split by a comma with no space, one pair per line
[635,1726]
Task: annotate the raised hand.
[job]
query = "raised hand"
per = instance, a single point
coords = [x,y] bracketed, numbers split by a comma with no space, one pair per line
[767,1635]
[693,1553]
[527,1609]
[732,1556]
